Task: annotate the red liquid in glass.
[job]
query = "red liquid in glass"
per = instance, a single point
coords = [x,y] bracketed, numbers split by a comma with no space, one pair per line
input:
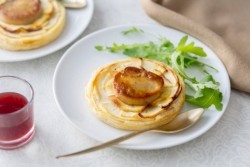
[21,123]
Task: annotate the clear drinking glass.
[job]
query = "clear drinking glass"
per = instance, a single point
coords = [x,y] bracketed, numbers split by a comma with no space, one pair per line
[16,112]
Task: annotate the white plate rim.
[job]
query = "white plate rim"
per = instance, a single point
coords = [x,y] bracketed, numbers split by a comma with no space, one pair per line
[133,147]
[90,6]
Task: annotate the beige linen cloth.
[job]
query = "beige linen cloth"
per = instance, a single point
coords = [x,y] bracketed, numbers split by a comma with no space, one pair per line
[224,25]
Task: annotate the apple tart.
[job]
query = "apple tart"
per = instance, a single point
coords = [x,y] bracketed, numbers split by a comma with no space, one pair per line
[29,24]
[136,94]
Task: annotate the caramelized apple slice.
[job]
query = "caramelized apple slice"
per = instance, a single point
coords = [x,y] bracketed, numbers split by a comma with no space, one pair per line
[20,12]
[135,86]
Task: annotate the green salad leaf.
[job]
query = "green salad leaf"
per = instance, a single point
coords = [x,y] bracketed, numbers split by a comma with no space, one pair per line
[132,30]
[208,97]
[203,92]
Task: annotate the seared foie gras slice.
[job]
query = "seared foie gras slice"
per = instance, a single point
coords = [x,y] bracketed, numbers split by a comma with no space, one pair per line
[135,86]
[20,12]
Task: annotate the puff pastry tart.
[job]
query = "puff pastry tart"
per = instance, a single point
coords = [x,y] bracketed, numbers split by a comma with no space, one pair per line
[29,24]
[136,94]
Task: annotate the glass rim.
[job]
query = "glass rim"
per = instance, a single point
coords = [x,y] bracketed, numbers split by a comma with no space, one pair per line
[29,100]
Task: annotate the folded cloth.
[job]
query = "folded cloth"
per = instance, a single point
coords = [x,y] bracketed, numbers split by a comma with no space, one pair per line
[223,25]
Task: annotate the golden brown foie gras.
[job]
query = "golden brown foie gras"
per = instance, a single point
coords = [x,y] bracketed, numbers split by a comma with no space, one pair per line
[136,86]
[20,12]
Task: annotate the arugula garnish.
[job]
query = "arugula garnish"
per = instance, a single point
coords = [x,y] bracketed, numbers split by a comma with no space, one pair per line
[132,30]
[208,97]
[203,93]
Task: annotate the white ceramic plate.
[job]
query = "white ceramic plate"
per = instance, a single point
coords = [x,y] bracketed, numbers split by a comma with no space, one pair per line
[82,59]
[77,21]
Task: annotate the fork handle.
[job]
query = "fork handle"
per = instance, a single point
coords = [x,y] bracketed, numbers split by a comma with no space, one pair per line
[106,144]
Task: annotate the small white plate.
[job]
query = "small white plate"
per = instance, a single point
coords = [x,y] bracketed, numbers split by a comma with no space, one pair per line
[82,59]
[76,22]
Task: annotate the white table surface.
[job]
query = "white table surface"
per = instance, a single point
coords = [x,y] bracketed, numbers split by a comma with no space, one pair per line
[226,144]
